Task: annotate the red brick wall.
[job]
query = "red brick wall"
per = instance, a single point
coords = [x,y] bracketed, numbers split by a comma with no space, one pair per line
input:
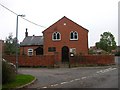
[47,60]
[93,59]
[81,44]
[50,60]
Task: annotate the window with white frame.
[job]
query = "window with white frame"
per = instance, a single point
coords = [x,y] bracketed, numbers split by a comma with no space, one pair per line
[30,52]
[73,35]
[56,36]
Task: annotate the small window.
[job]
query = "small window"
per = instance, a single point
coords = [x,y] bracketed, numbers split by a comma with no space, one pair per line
[73,35]
[30,52]
[51,49]
[56,36]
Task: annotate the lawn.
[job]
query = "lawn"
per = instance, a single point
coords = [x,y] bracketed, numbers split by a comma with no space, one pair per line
[19,81]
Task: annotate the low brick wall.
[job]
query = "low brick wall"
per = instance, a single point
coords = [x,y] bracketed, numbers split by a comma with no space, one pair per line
[47,60]
[93,59]
[51,60]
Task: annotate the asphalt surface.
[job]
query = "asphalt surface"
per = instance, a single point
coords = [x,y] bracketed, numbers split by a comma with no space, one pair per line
[80,77]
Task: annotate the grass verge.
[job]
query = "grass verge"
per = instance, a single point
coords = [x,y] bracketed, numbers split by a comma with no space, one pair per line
[19,81]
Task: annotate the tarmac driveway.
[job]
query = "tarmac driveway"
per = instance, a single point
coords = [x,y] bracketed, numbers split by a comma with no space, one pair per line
[47,78]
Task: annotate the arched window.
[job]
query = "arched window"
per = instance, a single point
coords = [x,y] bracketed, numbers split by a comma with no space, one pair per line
[56,36]
[73,35]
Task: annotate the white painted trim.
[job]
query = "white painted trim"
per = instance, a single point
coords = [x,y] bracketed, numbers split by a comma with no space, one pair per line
[73,36]
[74,39]
[53,36]
[30,50]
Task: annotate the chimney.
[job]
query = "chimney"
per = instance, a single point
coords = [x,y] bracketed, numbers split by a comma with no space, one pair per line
[26,33]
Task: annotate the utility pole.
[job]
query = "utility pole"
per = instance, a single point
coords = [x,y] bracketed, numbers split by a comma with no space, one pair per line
[17,42]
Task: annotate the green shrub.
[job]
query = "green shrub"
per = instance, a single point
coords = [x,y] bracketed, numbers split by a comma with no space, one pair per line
[8,72]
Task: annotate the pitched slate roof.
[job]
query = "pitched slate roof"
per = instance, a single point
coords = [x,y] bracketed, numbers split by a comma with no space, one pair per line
[32,40]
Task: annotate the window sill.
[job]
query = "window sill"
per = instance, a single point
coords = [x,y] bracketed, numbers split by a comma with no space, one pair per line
[56,40]
[73,39]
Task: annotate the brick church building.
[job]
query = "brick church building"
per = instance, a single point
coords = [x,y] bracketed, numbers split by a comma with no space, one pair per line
[64,38]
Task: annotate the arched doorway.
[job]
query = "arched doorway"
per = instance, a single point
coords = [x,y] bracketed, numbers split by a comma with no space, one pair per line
[65,54]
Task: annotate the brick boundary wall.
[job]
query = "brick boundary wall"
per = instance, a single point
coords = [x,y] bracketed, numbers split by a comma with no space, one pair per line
[51,60]
[45,60]
[93,59]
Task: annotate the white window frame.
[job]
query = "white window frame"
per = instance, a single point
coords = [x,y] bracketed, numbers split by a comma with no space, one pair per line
[74,35]
[56,36]
[30,50]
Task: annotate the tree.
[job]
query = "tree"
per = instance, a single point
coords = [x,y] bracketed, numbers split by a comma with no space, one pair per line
[107,42]
[10,45]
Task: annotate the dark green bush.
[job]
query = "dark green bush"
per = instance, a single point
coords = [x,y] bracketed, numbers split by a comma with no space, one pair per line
[8,72]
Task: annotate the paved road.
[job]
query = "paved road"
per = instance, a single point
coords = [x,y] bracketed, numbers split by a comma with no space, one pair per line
[81,77]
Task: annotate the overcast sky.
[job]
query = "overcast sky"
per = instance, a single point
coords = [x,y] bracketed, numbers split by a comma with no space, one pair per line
[97,16]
